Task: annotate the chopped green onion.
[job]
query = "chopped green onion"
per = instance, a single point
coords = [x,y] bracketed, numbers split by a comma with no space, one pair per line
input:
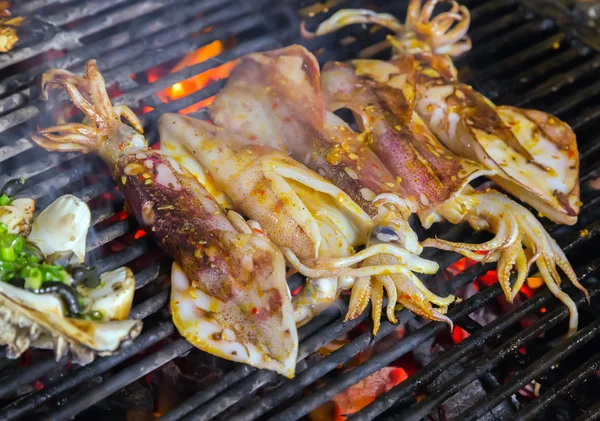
[3,228]
[5,200]
[8,254]
[33,277]
[18,243]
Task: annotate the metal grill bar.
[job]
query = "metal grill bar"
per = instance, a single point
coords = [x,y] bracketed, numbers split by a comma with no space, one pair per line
[571,381]
[133,39]
[126,376]
[244,371]
[557,82]
[98,367]
[262,377]
[514,383]
[485,364]
[453,355]
[71,39]
[591,415]
[29,375]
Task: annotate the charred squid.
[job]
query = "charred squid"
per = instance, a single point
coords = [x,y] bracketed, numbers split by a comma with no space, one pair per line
[275,99]
[534,154]
[229,295]
[383,102]
[317,226]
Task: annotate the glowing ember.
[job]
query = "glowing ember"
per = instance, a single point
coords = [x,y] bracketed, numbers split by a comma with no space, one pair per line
[527,291]
[195,83]
[489,278]
[460,266]
[459,334]
[535,283]
[360,395]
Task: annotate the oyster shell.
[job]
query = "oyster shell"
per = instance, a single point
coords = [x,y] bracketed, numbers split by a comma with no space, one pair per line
[32,320]
[35,320]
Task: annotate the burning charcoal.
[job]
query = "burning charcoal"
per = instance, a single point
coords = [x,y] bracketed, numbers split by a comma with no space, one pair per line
[180,378]
[136,395]
[428,350]
[201,369]
[464,399]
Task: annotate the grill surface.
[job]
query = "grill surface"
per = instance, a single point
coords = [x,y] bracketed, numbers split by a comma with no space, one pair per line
[525,53]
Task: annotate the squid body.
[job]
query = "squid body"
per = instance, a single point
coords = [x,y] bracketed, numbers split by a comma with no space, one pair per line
[275,99]
[423,121]
[229,294]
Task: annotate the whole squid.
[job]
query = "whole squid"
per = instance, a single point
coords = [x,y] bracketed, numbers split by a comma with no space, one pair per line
[317,226]
[383,102]
[229,294]
[275,99]
[534,154]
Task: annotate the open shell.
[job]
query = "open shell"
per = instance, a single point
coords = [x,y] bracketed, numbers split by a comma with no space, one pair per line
[32,320]
[62,226]
[35,320]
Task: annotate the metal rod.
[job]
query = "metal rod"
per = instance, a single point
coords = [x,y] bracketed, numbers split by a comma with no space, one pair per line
[542,365]
[101,365]
[243,371]
[299,409]
[122,378]
[486,363]
[570,382]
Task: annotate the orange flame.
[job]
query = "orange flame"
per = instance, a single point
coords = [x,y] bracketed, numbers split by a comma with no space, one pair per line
[188,86]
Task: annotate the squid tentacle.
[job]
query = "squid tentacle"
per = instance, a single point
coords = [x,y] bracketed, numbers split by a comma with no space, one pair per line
[338,272]
[413,262]
[377,303]
[405,288]
[359,299]
[434,298]
[513,257]
[416,302]
[444,34]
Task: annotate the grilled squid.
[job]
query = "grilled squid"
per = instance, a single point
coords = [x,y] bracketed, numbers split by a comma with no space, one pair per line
[382,97]
[317,226]
[275,99]
[229,295]
[534,155]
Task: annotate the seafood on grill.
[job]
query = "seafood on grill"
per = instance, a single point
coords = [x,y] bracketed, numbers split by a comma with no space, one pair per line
[382,99]
[317,226]
[48,300]
[9,25]
[275,99]
[229,294]
[534,154]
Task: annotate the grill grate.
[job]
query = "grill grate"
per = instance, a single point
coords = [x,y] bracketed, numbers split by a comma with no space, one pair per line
[520,57]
